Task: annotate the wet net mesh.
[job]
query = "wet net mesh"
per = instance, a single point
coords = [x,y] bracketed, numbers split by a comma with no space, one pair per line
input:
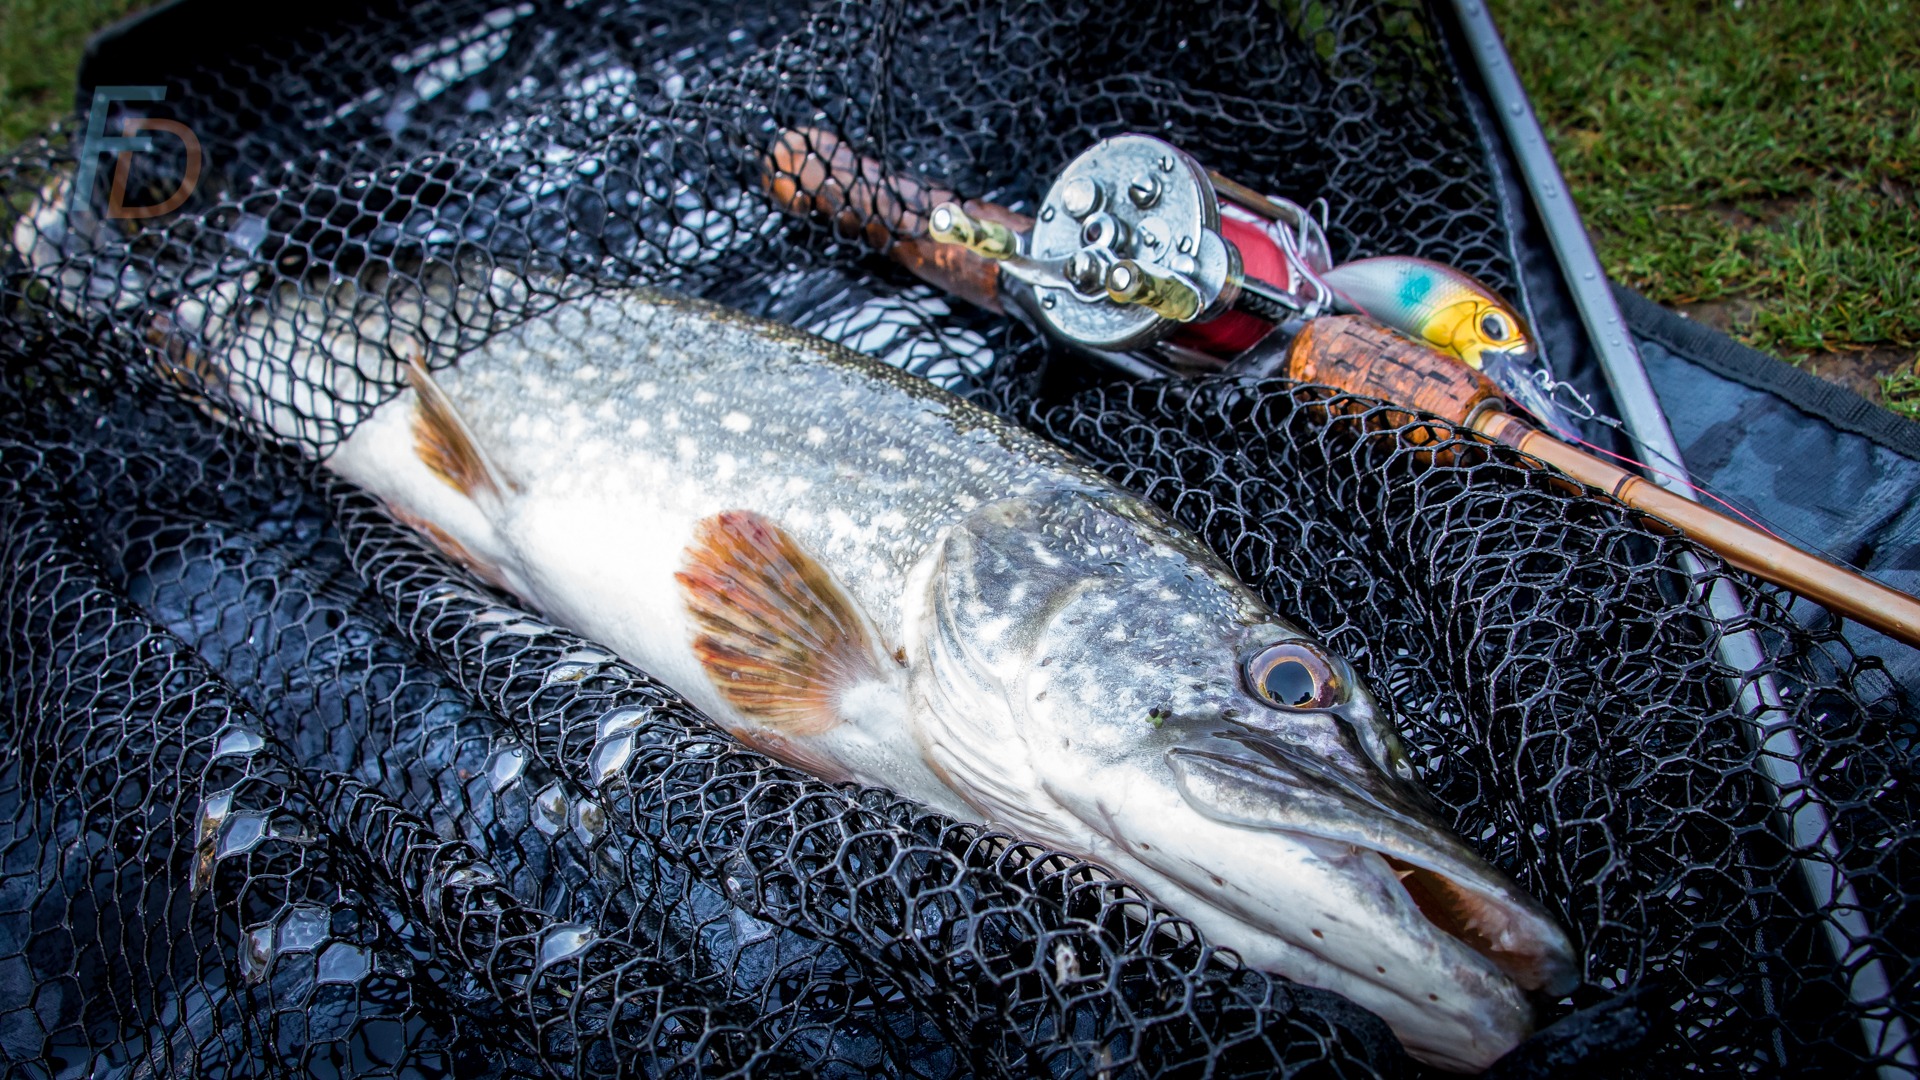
[283,790]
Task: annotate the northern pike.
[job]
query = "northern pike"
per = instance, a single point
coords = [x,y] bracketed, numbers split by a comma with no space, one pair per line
[873,580]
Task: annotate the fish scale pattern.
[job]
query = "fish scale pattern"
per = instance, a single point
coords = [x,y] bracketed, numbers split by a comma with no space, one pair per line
[283,791]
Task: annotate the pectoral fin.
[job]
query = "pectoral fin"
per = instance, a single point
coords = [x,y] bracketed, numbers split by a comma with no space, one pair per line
[780,639]
[443,441]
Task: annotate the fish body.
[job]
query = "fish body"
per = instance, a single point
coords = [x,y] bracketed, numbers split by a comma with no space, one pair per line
[1457,314]
[876,581]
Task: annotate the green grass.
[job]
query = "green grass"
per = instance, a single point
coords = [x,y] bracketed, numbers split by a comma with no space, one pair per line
[40,46]
[1756,157]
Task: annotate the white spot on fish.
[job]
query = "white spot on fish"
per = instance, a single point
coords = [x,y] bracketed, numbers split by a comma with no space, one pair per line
[737,422]
[892,454]
[639,428]
[993,629]
[1041,554]
[797,486]
[703,397]
[724,466]
[891,519]
[976,465]
[586,373]
[1118,633]
[671,419]
[816,436]
[685,447]
[645,391]
[841,524]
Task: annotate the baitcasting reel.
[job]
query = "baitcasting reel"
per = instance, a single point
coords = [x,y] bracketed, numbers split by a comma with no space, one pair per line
[1133,250]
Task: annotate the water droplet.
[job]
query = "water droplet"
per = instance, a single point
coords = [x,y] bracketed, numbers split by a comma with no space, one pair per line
[507,765]
[236,741]
[248,233]
[1515,108]
[243,833]
[613,743]
[256,953]
[213,813]
[303,928]
[342,963]
[1048,300]
[550,809]
[509,621]
[566,673]
[446,591]
[565,942]
[588,656]
[521,628]
[591,819]
[471,875]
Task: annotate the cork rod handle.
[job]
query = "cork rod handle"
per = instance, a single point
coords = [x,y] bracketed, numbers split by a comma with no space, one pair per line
[1357,355]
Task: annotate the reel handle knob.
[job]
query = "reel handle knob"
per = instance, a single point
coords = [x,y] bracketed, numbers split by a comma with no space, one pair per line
[950,224]
[1166,295]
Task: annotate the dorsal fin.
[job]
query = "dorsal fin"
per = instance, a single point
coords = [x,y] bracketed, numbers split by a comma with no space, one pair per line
[443,441]
[777,635]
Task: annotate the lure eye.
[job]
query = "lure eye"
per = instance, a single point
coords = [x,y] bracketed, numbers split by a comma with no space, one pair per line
[1494,326]
[1294,675]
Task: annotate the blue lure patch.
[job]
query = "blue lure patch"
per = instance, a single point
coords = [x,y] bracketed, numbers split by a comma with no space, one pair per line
[1414,287]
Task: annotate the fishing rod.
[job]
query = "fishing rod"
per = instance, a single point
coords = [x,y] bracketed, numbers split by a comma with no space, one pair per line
[1140,256]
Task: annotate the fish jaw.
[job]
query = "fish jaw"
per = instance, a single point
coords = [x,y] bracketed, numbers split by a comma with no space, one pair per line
[1078,679]
[1323,912]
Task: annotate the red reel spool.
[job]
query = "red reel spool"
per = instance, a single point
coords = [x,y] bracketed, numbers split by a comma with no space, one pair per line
[1234,332]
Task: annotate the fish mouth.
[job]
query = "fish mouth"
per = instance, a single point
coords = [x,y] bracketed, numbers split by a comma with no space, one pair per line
[1257,783]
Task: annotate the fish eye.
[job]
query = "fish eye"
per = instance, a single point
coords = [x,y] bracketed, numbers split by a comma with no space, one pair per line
[1294,675]
[1494,326]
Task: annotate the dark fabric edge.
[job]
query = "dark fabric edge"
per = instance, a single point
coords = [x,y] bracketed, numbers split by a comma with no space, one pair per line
[1750,367]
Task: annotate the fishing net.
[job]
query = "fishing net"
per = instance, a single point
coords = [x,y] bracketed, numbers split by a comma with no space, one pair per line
[283,790]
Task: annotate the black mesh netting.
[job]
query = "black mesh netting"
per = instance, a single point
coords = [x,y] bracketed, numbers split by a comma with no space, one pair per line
[284,790]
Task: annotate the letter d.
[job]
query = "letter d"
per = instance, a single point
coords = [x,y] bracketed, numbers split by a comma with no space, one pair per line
[116,200]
